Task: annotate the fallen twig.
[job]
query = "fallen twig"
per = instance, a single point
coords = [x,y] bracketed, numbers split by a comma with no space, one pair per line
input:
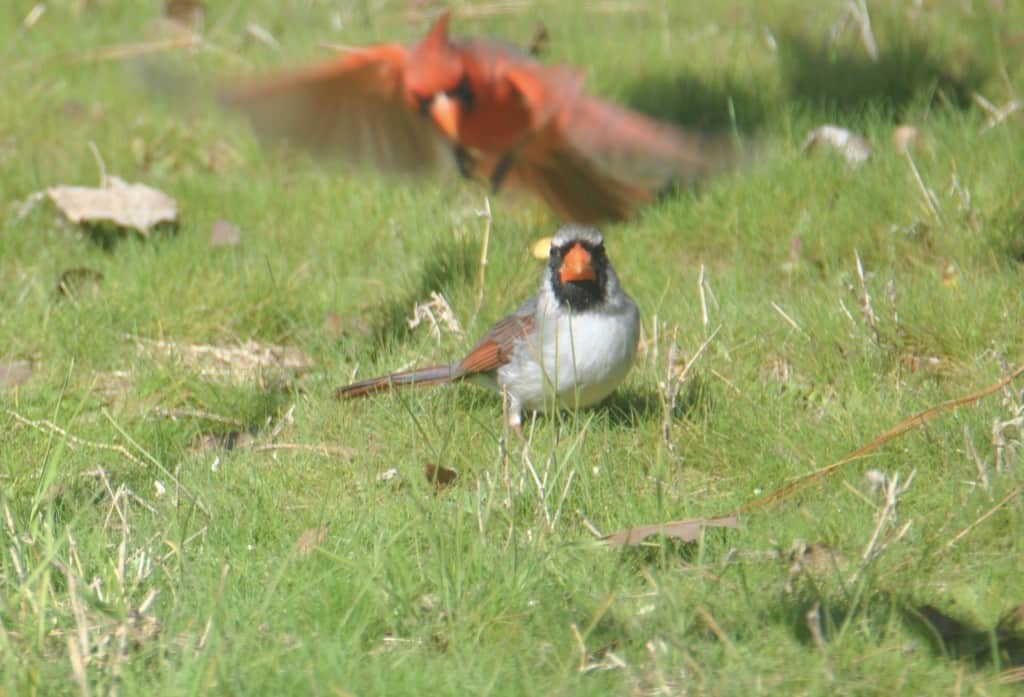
[802,483]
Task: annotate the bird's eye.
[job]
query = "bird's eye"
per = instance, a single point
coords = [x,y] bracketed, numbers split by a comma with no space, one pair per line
[464,93]
[423,103]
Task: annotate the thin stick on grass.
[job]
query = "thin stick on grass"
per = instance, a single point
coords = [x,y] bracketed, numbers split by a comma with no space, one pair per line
[47,426]
[795,487]
[1015,492]
[703,300]
[789,320]
[929,196]
[482,274]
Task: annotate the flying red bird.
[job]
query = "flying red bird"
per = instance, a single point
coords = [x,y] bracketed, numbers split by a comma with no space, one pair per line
[506,118]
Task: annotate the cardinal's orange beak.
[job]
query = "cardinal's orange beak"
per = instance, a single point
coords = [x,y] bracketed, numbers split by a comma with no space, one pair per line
[445,112]
[577,265]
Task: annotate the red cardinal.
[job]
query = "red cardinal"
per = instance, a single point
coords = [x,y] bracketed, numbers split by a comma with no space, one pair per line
[505,117]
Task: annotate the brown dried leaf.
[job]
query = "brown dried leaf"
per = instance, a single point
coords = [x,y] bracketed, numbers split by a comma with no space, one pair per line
[440,476]
[539,40]
[817,561]
[854,148]
[1012,620]
[232,440]
[224,234]
[188,13]
[685,530]
[311,540]
[79,281]
[135,206]
[14,373]
[336,326]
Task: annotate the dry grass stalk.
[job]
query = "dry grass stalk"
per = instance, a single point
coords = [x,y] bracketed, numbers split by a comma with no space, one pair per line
[484,246]
[1014,493]
[919,419]
[885,517]
[435,312]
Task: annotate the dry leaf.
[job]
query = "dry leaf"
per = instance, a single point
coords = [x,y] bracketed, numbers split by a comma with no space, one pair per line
[685,530]
[1012,620]
[77,282]
[134,206]
[188,13]
[310,540]
[333,325]
[817,561]
[336,326]
[14,373]
[539,41]
[388,474]
[440,476]
[851,146]
[541,249]
[224,234]
[232,440]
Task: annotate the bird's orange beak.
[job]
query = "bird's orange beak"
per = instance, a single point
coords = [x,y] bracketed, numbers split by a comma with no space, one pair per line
[445,113]
[577,266]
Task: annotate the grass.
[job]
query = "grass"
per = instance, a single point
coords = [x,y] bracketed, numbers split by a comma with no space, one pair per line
[140,555]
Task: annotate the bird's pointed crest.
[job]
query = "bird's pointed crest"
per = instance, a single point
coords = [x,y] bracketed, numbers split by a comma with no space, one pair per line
[437,37]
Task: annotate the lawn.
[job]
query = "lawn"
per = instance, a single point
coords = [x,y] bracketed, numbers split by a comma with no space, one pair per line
[187,509]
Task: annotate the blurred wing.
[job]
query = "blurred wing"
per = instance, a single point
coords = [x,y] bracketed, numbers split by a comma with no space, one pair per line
[638,149]
[495,349]
[594,161]
[352,107]
[575,189]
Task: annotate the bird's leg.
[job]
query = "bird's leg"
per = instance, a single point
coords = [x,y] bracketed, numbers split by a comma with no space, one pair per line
[465,161]
[502,170]
[514,414]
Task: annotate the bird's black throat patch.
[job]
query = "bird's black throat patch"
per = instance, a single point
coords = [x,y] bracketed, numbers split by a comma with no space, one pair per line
[581,296]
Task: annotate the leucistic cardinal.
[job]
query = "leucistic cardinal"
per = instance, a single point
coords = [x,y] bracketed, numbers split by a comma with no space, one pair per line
[569,346]
[506,119]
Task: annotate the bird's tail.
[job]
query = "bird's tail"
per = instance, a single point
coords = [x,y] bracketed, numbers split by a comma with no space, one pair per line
[423,377]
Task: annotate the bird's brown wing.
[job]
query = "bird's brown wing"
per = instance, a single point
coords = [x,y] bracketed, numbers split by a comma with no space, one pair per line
[594,161]
[575,189]
[636,148]
[352,107]
[495,349]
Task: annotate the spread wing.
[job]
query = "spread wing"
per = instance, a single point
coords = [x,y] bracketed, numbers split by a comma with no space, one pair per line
[636,148]
[495,349]
[592,160]
[352,107]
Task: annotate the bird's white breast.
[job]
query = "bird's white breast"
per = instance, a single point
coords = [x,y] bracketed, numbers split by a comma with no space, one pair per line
[580,359]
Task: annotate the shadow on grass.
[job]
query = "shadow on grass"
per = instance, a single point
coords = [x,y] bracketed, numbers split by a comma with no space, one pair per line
[999,646]
[833,81]
[846,81]
[448,262]
[696,105]
[632,406]
[108,236]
